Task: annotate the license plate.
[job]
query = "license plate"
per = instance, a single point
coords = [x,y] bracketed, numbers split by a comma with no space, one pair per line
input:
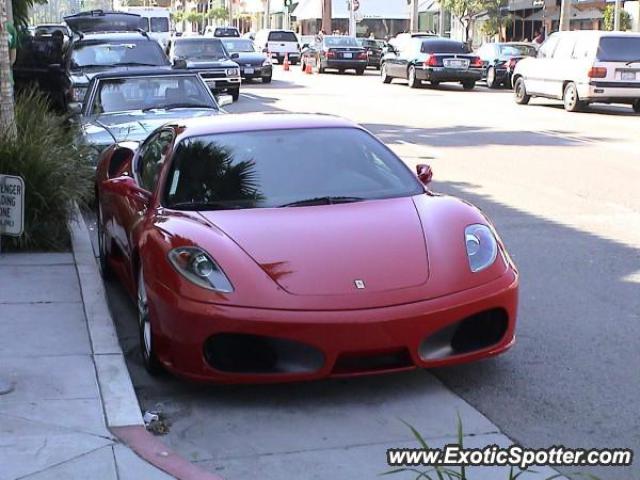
[248,70]
[627,75]
[347,55]
[455,63]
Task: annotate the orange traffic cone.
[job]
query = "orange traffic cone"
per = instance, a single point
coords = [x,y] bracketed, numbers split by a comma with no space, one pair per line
[308,69]
[285,64]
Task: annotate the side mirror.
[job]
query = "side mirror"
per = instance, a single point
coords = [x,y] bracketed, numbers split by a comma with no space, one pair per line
[425,174]
[235,55]
[75,108]
[180,63]
[224,100]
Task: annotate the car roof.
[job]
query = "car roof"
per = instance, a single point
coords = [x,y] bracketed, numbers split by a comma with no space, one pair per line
[598,33]
[260,121]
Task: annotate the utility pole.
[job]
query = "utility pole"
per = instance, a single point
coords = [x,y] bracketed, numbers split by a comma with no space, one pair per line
[616,16]
[327,14]
[230,12]
[352,21]
[565,15]
[413,26]
[441,18]
[7,111]
[267,14]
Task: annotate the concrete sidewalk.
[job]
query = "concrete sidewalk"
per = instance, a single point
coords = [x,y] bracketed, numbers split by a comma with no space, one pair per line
[72,413]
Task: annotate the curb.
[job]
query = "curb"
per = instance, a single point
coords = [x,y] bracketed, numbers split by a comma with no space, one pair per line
[121,408]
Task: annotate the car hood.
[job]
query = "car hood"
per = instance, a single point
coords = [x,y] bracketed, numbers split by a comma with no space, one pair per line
[83,76]
[250,58]
[324,250]
[133,126]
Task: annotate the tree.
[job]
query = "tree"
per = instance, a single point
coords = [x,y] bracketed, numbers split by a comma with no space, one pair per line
[220,13]
[195,17]
[7,112]
[326,16]
[463,10]
[625,19]
[497,22]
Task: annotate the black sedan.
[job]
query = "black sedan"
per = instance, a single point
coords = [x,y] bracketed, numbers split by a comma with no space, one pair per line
[499,60]
[253,64]
[335,52]
[432,59]
[374,51]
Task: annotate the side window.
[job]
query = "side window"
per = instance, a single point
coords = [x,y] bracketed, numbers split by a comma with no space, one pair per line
[152,157]
[548,47]
[485,52]
[581,50]
[564,50]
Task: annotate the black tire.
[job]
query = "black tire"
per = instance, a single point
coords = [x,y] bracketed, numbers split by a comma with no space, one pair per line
[294,62]
[468,84]
[636,106]
[570,98]
[341,71]
[235,94]
[145,330]
[103,253]
[434,83]
[359,71]
[266,79]
[384,76]
[320,67]
[520,92]
[411,78]
[491,78]
[507,82]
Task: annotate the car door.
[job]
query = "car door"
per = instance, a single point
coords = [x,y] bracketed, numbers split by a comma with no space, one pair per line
[405,55]
[537,70]
[560,67]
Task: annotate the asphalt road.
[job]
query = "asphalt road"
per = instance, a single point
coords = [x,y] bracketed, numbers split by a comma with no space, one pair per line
[563,191]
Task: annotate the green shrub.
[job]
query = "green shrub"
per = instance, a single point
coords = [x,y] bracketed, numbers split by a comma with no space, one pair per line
[55,171]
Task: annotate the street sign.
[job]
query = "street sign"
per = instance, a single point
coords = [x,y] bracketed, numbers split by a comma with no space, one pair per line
[538,3]
[11,205]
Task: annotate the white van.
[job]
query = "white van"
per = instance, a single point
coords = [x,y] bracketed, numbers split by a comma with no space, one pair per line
[157,22]
[582,67]
[277,43]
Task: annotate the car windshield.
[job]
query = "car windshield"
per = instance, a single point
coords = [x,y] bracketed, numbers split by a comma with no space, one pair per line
[201,48]
[282,37]
[159,24]
[267,169]
[438,46]
[226,32]
[128,52]
[517,51]
[238,45]
[151,92]
[619,49]
[340,41]
[366,42]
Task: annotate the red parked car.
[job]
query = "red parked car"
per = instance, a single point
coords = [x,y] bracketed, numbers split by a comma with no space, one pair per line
[282,247]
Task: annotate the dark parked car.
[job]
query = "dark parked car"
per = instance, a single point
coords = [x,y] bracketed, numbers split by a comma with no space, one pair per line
[128,106]
[335,52]
[432,59]
[208,57]
[101,41]
[225,32]
[253,64]
[499,60]
[374,51]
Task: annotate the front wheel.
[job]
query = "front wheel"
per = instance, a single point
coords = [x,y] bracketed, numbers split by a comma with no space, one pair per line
[570,98]
[468,84]
[411,77]
[235,94]
[266,79]
[145,330]
[520,92]
[384,75]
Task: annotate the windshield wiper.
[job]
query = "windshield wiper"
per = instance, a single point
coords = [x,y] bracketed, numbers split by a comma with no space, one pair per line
[171,106]
[322,201]
[632,61]
[203,206]
[135,64]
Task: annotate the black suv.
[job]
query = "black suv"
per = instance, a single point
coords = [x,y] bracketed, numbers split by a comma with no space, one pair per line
[100,41]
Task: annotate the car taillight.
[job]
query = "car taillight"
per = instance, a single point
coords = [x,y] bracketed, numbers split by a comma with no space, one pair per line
[329,54]
[431,61]
[476,62]
[597,72]
[362,56]
[512,63]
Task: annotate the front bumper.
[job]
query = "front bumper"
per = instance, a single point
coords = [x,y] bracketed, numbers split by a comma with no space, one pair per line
[344,64]
[256,72]
[444,74]
[293,56]
[335,338]
[223,84]
[610,92]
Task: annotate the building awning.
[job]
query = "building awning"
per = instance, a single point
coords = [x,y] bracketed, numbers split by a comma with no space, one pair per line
[387,9]
[588,14]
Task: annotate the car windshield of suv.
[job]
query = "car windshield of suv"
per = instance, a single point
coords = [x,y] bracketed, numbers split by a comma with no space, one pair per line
[619,49]
[435,46]
[97,53]
[149,92]
[265,169]
[226,32]
[200,49]
[517,51]
[238,45]
[340,42]
[282,37]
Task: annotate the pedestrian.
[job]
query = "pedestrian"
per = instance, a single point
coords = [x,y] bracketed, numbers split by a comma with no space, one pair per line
[539,38]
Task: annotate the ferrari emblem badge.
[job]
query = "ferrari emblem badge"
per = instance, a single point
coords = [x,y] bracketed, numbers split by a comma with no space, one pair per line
[359,284]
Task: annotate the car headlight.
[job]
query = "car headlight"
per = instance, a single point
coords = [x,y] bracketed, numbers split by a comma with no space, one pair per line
[78,93]
[198,267]
[233,72]
[482,247]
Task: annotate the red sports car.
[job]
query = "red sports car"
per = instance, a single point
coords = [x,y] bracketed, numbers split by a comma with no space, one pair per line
[281,247]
